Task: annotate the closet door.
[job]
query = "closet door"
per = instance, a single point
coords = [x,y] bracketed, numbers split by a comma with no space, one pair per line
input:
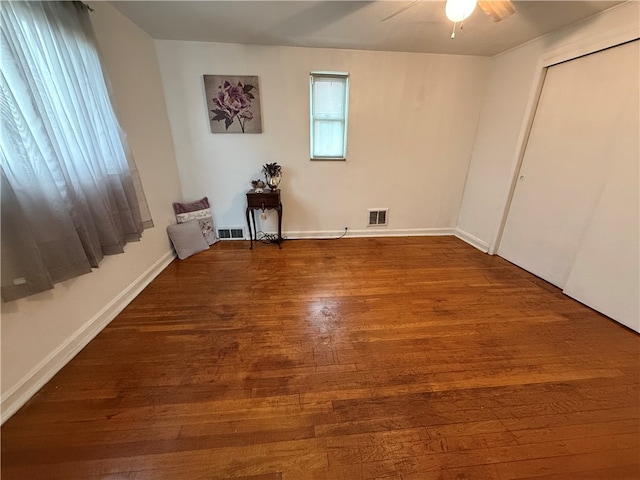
[572,149]
[606,271]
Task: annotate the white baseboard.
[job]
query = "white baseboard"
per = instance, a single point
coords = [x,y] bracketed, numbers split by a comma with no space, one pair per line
[18,395]
[471,240]
[371,232]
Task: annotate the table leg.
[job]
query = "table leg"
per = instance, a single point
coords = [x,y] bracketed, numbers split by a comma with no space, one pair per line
[253,219]
[249,225]
[279,225]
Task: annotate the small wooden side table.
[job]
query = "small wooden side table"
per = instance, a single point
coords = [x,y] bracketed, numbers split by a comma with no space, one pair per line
[269,199]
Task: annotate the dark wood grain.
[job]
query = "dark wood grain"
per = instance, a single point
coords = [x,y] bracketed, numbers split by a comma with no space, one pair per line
[357,359]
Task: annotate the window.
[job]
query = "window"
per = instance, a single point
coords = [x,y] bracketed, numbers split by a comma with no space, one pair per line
[70,191]
[329,107]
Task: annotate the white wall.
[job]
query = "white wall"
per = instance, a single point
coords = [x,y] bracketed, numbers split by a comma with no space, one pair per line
[513,80]
[40,333]
[412,124]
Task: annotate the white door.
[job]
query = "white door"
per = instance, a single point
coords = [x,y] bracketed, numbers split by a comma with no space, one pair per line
[606,271]
[572,149]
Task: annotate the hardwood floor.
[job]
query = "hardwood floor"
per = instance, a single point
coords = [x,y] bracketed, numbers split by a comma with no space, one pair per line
[355,359]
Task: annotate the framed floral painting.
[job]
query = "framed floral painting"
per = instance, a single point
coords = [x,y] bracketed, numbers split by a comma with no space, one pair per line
[233,103]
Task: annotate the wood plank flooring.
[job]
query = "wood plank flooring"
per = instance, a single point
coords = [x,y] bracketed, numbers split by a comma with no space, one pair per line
[355,359]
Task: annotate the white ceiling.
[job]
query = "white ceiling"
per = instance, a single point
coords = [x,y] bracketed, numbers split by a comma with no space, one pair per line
[353,24]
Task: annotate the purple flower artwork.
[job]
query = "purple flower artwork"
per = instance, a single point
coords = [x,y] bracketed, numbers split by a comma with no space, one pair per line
[233,104]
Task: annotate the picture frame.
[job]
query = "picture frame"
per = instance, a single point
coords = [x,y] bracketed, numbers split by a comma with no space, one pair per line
[233,103]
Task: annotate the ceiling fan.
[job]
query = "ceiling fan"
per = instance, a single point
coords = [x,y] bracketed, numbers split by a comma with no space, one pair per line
[458,10]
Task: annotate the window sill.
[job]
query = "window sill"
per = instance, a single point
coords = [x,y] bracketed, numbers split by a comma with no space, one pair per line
[328,159]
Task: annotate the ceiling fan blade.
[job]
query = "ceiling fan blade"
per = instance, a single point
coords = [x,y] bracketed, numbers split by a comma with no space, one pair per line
[497,9]
[398,12]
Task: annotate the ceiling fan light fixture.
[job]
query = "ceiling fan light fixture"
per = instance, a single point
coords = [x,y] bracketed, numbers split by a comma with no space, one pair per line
[458,10]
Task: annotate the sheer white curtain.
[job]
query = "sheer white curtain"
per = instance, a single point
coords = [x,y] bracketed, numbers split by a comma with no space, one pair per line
[70,192]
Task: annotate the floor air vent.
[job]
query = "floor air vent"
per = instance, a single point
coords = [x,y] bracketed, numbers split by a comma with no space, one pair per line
[231,233]
[378,216]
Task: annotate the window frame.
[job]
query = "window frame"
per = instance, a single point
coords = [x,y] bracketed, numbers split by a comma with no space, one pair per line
[344,119]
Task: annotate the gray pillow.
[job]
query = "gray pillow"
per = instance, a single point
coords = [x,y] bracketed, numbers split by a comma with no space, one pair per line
[187,238]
